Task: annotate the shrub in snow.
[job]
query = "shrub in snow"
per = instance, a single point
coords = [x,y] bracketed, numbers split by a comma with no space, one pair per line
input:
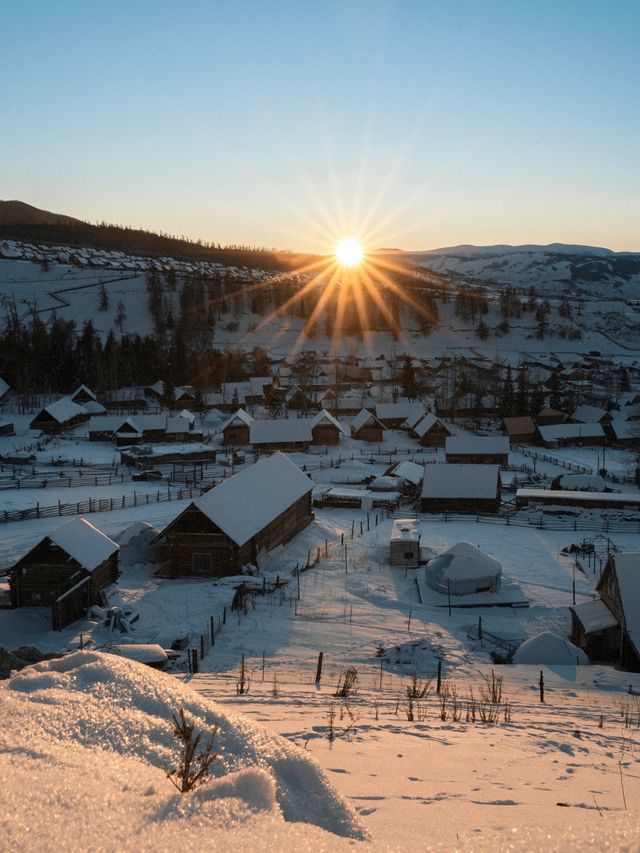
[193,766]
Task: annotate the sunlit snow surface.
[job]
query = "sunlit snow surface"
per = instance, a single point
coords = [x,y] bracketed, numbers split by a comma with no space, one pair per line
[83,744]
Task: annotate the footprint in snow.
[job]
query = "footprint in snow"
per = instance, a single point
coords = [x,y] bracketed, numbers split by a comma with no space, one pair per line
[337,770]
[367,811]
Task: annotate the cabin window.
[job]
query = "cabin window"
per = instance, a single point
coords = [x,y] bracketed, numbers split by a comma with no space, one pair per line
[201,563]
[408,555]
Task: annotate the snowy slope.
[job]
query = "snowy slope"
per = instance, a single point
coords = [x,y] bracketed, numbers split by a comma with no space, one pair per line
[545,267]
[85,741]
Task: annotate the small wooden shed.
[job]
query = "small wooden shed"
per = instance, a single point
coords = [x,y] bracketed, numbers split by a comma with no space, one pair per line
[404,547]
[65,571]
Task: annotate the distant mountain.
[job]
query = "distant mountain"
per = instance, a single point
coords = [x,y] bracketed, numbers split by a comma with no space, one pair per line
[524,266]
[20,213]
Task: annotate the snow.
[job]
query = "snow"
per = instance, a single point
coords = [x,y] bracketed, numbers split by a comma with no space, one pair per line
[85,740]
[247,502]
[445,480]
[549,649]
[64,410]
[563,432]
[84,542]
[476,444]
[627,566]
[595,616]
[463,569]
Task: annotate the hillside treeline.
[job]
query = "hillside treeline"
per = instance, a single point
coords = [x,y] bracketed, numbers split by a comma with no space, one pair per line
[137,241]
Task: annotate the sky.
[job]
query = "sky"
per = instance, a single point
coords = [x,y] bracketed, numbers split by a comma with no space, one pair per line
[407,123]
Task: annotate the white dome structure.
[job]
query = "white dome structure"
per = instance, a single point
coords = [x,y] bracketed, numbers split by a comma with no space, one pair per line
[463,570]
[548,649]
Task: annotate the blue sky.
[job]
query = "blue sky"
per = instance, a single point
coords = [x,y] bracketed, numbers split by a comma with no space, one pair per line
[289,124]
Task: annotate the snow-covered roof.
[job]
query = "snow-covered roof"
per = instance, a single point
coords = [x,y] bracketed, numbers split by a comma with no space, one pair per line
[85,543]
[578,497]
[363,418]
[104,423]
[409,471]
[249,500]
[79,390]
[406,409]
[445,480]
[92,407]
[560,432]
[324,416]
[237,418]
[280,430]
[423,426]
[476,444]
[627,564]
[405,529]
[623,429]
[64,410]
[594,616]
[548,649]
[588,414]
[177,424]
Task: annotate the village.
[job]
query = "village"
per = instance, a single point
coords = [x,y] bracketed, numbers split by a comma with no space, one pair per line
[225,486]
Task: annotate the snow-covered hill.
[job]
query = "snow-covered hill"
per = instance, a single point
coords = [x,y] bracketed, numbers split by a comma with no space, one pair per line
[545,267]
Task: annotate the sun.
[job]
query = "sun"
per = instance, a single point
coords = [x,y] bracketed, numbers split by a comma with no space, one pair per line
[349,252]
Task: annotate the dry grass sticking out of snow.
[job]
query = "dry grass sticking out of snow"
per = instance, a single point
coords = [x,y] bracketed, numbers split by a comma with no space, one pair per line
[84,743]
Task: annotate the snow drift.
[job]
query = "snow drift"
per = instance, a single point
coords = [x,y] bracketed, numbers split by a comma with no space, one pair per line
[85,739]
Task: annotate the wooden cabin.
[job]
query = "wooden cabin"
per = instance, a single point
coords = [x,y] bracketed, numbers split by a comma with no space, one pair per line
[236,430]
[294,433]
[58,416]
[608,629]
[460,488]
[520,429]
[65,571]
[238,522]
[395,415]
[430,431]
[366,427]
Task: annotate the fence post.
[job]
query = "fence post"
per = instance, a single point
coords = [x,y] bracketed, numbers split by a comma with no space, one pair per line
[541,686]
[439,679]
[319,668]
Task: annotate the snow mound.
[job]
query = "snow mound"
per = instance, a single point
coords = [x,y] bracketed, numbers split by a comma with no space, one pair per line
[85,739]
[549,649]
[136,543]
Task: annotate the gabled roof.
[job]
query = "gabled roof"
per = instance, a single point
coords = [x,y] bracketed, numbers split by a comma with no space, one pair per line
[325,416]
[427,423]
[63,410]
[569,431]
[280,431]
[364,418]
[407,470]
[80,389]
[625,429]
[238,417]
[247,502]
[627,568]
[588,414]
[473,444]
[405,409]
[444,480]
[85,543]
[4,387]
[519,425]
